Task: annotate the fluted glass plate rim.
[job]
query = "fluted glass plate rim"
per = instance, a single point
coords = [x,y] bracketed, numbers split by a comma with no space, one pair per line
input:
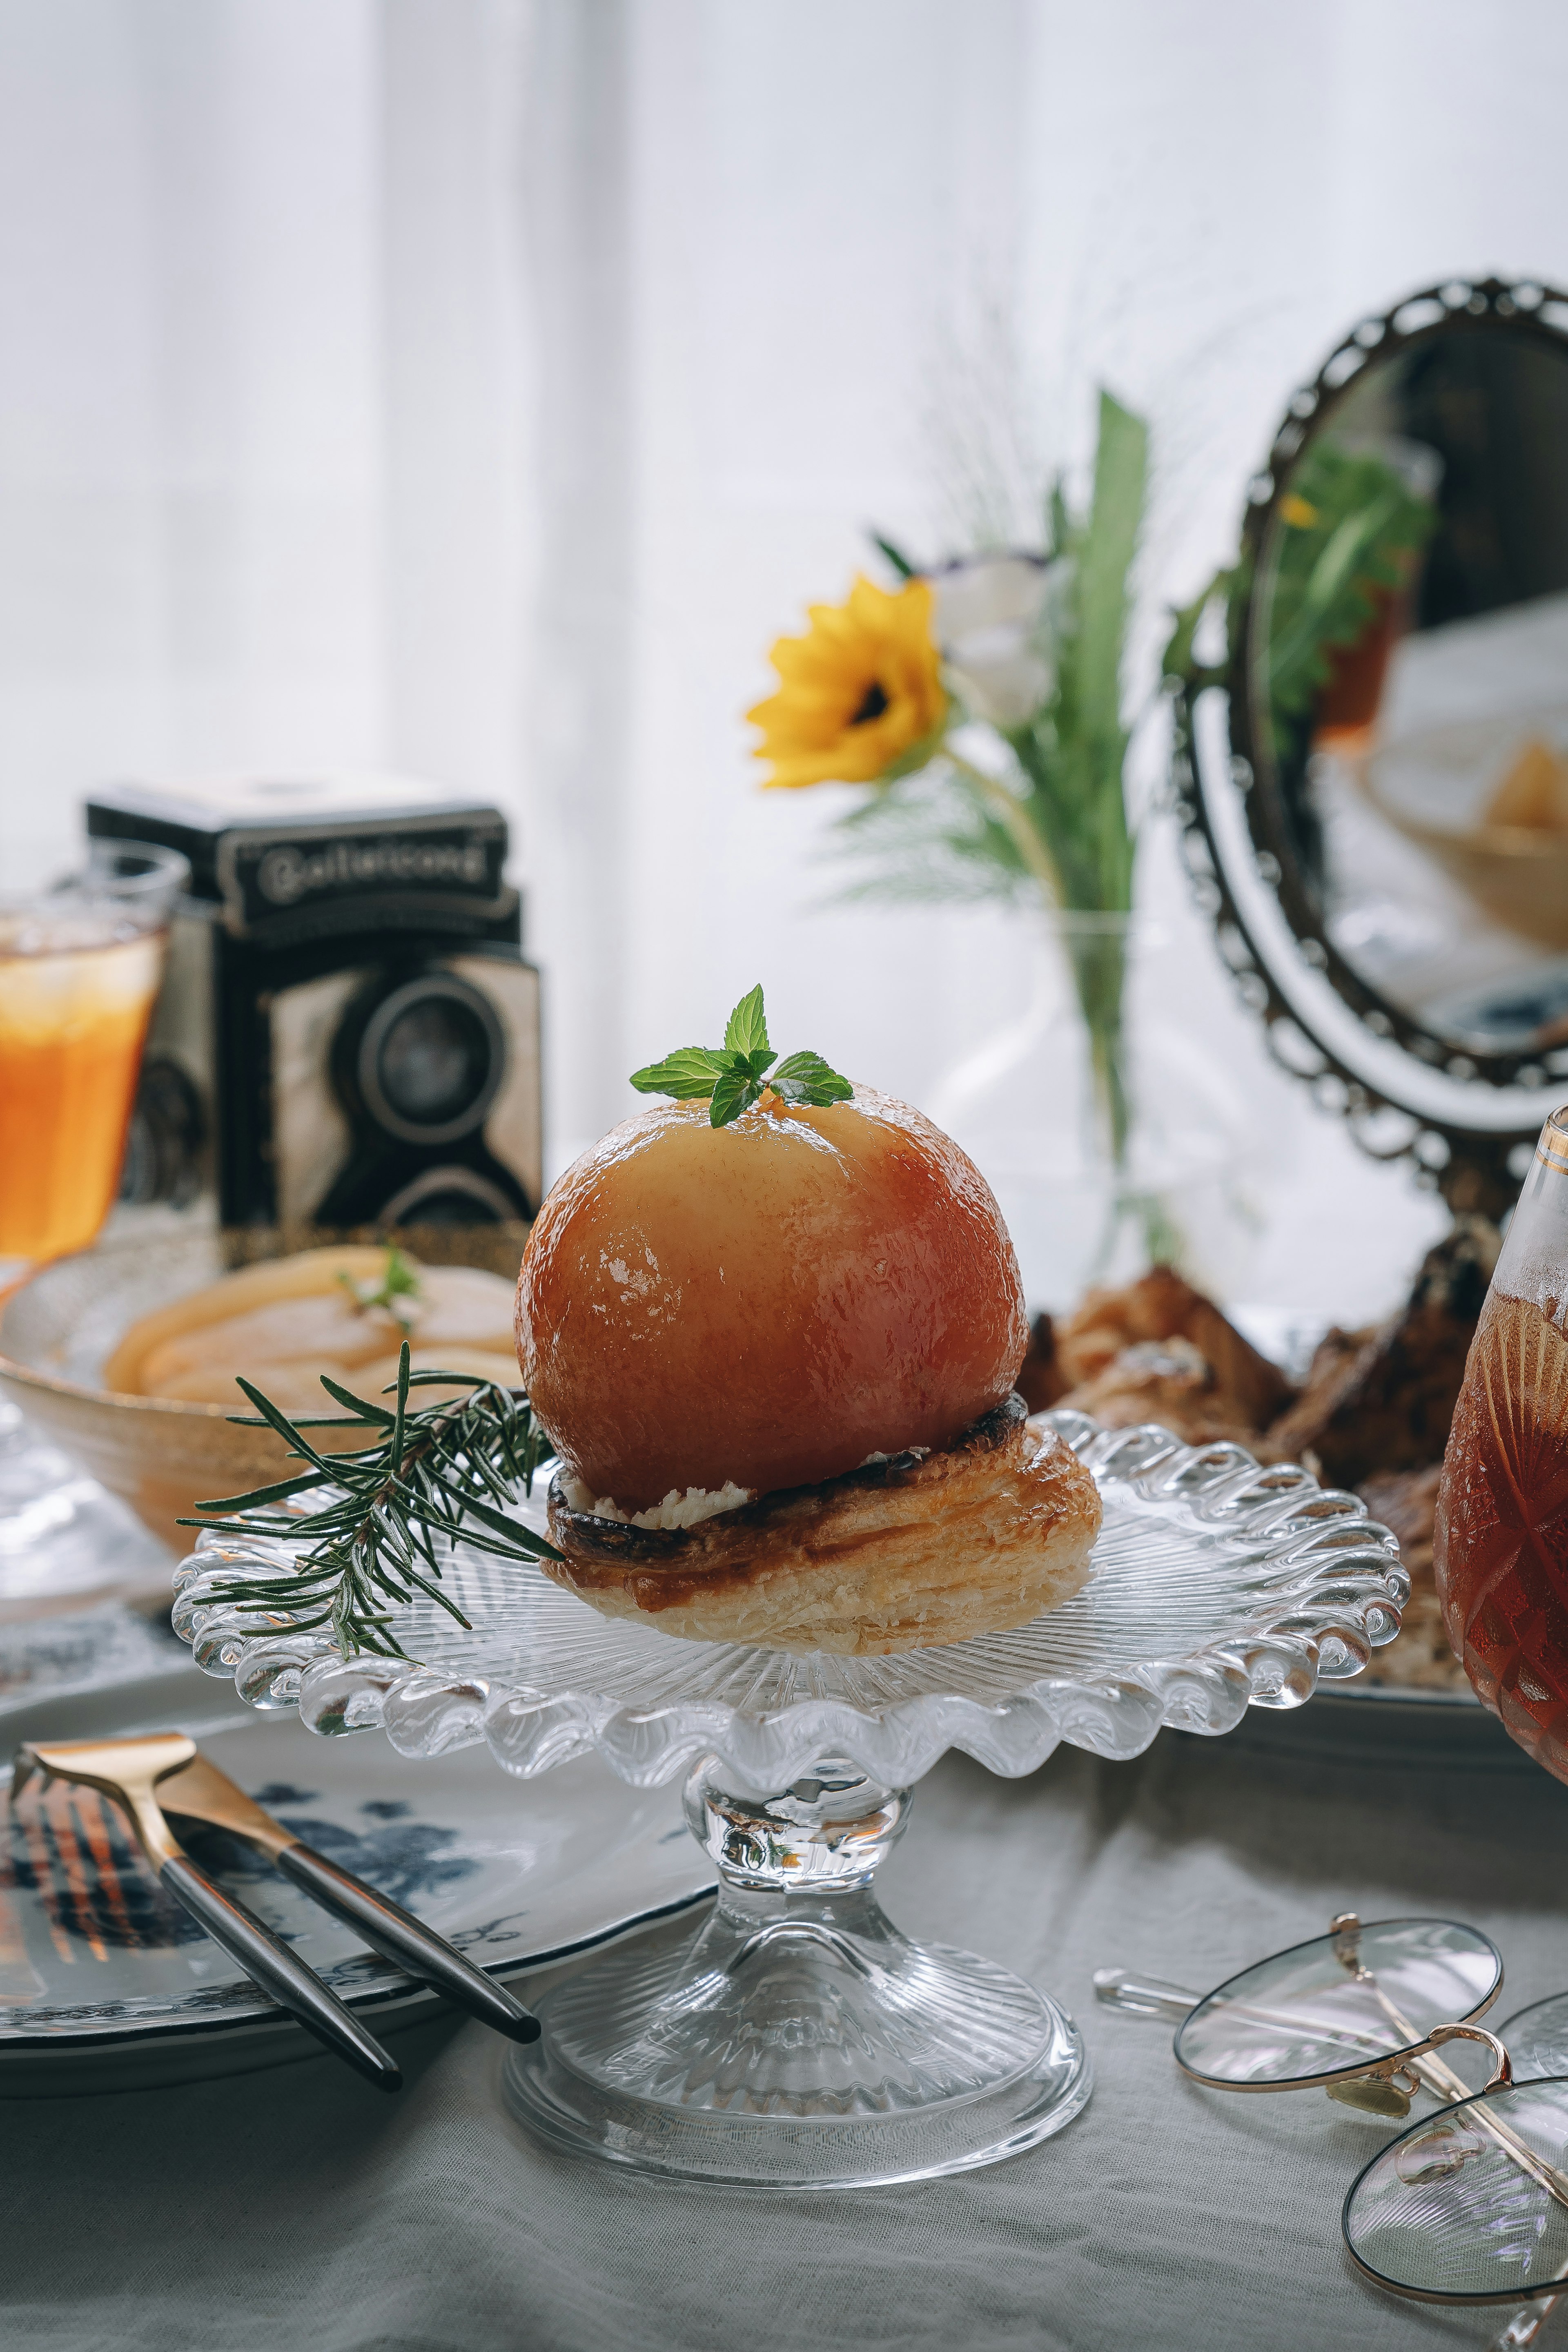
[1330,1588]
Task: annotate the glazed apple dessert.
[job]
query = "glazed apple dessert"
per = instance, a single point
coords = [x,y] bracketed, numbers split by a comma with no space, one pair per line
[773,1327]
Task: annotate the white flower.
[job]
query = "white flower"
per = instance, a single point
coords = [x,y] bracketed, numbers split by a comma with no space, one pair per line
[994,622]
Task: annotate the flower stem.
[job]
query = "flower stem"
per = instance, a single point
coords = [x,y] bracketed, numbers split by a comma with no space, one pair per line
[1010,815]
[1098,962]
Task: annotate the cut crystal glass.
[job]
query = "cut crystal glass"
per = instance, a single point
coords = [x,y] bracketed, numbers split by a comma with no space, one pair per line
[798,2037]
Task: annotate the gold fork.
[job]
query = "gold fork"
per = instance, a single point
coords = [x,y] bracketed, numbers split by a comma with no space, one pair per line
[129,1772]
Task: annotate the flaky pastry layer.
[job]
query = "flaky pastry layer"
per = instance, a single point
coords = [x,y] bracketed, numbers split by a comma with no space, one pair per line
[922,1549]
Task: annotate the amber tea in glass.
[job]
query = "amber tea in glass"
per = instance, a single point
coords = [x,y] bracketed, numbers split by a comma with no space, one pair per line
[79,967]
[1500,1551]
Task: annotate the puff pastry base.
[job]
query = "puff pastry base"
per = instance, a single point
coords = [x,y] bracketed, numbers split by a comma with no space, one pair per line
[909,1553]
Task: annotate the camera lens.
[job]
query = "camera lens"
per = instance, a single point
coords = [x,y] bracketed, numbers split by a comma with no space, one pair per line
[430,1059]
[433,1061]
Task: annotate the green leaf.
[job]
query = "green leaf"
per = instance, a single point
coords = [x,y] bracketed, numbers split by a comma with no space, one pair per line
[732,1077]
[287,1430]
[257,1497]
[1178,659]
[807,1079]
[688,1074]
[735,1092]
[403,1372]
[745,1066]
[1059,532]
[1345,541]
[900,562]
[1104,560]
[399,1282]
[372,1415]
[746,1029]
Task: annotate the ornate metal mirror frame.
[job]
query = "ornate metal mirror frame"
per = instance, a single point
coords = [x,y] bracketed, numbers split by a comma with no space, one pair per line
[1467,1120]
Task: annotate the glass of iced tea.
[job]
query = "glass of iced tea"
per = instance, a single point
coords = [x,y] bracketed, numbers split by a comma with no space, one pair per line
[1500,1547]
[79,967]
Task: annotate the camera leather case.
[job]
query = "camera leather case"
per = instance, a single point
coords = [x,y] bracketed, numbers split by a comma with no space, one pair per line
[348,1033]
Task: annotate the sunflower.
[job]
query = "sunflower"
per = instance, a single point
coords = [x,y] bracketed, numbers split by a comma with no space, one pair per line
[858,693]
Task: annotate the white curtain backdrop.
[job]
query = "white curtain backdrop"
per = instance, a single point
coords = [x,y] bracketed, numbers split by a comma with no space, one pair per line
[476,387]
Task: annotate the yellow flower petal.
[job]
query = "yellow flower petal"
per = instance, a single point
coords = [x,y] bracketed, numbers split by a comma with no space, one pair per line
[860,690]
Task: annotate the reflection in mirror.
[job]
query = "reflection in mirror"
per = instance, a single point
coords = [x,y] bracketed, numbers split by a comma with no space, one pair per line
[1408,683]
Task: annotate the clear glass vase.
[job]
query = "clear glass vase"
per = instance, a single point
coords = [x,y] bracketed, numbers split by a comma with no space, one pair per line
[1112,1138]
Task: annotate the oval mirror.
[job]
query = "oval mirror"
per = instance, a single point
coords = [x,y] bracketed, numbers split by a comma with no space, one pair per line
[1376,791]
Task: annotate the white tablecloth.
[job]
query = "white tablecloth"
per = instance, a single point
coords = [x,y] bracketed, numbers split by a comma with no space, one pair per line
[297,2208]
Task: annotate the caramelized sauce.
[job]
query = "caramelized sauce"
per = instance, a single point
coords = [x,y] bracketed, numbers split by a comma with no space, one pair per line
[1500,1551]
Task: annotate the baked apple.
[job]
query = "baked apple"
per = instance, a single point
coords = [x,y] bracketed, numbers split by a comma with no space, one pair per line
[767,1303]
[776,1352]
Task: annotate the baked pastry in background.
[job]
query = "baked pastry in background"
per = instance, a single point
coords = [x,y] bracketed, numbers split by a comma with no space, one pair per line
[345,1311]
[1373,1414]
[1384,1399]
[1160,1342]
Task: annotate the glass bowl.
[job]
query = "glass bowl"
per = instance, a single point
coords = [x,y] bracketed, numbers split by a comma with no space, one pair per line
[57,1330]
[159,1454]
[798,2036]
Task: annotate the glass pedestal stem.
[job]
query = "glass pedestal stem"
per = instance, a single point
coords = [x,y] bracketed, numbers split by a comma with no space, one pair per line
[798,2037]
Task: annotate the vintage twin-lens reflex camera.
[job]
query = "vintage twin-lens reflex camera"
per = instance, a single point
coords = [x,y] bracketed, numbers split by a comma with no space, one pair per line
[347,1035]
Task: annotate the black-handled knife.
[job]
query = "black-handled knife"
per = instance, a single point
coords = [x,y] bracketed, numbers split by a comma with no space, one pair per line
[200,1791]
[269,1961]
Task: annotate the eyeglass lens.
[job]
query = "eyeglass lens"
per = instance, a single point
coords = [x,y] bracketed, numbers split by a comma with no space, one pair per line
[1537,2039]
[1340,2002]
[1470,2204]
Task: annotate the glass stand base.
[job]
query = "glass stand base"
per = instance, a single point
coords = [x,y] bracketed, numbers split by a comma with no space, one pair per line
[797,2039]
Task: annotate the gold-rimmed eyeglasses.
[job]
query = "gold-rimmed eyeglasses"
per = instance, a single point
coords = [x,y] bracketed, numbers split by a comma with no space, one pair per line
[1469,2205]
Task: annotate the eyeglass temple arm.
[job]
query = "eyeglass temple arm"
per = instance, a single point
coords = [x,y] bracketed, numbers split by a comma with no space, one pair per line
[1525,2327]
[1143,1996]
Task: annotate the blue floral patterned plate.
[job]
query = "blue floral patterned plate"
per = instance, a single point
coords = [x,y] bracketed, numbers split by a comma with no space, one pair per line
[106,1984]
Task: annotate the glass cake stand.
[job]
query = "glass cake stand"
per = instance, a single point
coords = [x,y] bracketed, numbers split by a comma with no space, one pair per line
[796,2037]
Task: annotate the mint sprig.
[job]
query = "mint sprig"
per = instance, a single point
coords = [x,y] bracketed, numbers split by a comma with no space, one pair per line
[399,1291]
[733,1076]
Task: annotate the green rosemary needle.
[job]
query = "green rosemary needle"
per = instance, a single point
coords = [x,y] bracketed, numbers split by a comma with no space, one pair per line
[430,1475]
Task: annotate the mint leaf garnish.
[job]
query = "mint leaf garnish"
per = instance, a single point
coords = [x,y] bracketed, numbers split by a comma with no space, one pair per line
[688,1074]
[733,1093]
[398,1291]
[806,1078]
[733,1077]
[746,1030]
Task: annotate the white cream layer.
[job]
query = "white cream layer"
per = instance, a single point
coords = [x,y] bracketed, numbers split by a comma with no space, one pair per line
[676,1510]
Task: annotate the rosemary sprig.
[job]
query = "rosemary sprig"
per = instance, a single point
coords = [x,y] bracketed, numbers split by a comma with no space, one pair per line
[432,1473]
